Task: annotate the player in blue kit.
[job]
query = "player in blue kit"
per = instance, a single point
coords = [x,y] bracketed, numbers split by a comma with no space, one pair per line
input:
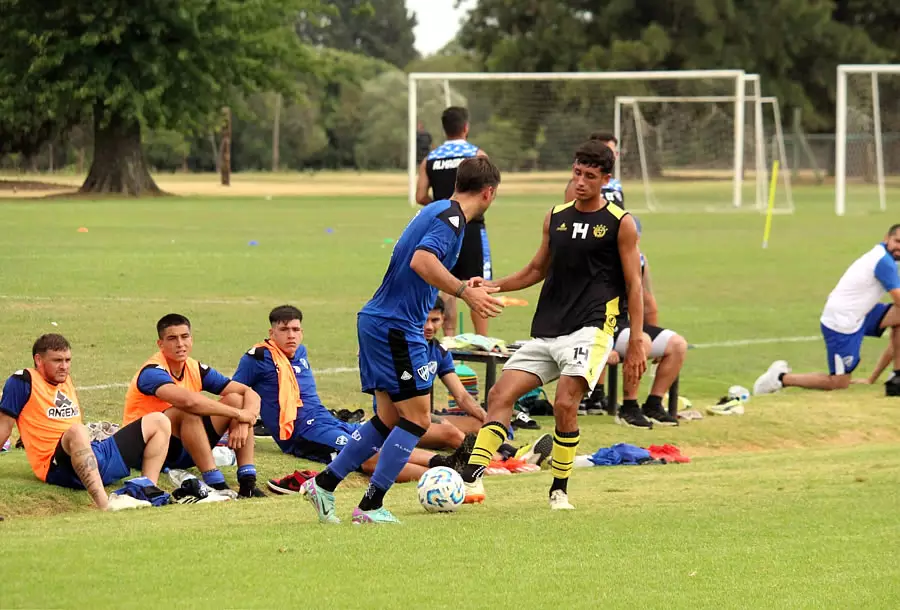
[279,370]
[393,353]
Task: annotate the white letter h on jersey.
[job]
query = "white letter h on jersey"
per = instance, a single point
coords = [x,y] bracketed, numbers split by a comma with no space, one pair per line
[579,228]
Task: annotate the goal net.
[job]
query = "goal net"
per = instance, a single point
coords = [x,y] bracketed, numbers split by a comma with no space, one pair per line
[531,124]
[867,137]
[668,142]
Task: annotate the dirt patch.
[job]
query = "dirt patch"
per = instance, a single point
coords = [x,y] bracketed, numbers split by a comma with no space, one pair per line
[839,438]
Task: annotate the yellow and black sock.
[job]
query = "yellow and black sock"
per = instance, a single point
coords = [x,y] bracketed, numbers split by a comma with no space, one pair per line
[490,437]
[565,445]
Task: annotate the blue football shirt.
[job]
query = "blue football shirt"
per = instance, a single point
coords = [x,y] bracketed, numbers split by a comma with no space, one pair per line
[404,297]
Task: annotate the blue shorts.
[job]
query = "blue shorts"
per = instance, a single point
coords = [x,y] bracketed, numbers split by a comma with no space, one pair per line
[392,359]
[844,349]
[320,439]
[110,463]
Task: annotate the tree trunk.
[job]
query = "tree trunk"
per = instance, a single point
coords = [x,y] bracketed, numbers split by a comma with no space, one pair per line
[276,134]
[226,148]
[118,165]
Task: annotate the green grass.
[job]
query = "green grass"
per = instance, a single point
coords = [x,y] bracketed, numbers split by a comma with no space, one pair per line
[791,505]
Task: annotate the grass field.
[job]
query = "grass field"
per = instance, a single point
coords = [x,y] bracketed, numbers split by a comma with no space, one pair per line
[792,505]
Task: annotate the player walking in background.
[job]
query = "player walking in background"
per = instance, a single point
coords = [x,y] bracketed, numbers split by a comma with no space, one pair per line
[438,172]
[589,257]
[172,382]
[43,403]
[393,353]
[851,313]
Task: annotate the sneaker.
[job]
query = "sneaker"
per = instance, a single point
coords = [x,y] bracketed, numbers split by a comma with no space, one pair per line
[291,483]
[379,515]
[768,382]
[260,430]
[517,466]
[892,386]
[690,414]
[727,406]
[321,500]
[634,418]
[659,416]
[538,451]
[248,489]
[459,458]
[474,492]
[124,501]
[523,422]
[583,405]
[559,500]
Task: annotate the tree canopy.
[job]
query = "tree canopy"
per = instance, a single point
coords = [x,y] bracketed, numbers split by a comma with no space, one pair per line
[169,64]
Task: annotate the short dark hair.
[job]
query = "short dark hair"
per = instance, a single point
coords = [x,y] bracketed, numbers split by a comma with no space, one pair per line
[604,136]
[454,120]
[50,342]
[475,173]
[893,229]
[169,320]
[284,313]
[595,153]
[439,305]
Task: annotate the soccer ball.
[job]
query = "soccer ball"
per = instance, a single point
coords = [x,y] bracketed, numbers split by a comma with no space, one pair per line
[441,490]
[739,393]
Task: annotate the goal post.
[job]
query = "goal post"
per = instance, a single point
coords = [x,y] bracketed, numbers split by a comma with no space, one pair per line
[764,143]
[867,135]
[531,123]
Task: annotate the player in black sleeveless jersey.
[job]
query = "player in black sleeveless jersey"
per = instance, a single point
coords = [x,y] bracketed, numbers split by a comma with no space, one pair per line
[437,172]
[589,261]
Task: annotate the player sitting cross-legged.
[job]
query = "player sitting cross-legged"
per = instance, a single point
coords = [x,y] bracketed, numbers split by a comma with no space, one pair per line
[279,370]
[589,257]
[393,353]
[171,382]
[43,403]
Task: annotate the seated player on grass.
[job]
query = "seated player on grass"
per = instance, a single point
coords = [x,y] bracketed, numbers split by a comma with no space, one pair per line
[279,370]
[42,402]
[171,382]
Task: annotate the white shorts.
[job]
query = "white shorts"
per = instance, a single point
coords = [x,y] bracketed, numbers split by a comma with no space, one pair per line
[580,354]
[659,339]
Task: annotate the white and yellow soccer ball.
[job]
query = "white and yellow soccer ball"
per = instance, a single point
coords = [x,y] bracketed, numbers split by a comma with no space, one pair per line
[441,490]
[737,392]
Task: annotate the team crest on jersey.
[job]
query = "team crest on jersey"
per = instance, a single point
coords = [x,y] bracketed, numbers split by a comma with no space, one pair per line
[425,372]
[562,227]
[340,441]
[304,362]
[599,231]
[63,407]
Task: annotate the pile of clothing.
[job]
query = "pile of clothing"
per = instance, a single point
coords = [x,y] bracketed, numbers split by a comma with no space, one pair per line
[624,454]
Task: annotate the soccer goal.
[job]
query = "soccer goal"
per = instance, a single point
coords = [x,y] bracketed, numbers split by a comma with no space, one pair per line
[667,140]
[867,137]
[531,124]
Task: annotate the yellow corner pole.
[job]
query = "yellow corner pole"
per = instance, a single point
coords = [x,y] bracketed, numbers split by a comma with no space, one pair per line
[772,184]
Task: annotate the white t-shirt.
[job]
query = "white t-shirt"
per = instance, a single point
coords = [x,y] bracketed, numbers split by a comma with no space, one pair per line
[860,289]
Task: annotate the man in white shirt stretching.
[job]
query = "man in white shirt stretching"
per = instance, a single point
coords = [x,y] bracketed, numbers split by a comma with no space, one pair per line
[853,311]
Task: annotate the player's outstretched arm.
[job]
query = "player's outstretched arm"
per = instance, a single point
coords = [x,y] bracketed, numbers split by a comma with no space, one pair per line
[198,404]
[886,358]
[651,312]
[6,426]
[462,397]
[536,269]
[635,358]
[422,185]
[479,299]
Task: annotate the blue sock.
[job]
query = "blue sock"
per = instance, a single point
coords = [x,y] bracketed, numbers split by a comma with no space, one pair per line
[213,477]
[247,470]
[397,448]
[364,443]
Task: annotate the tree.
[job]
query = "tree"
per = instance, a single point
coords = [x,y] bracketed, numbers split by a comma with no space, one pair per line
[795,45]
[170,64]
[382,29]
